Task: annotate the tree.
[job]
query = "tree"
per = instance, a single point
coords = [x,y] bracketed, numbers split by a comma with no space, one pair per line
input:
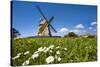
[15,33]
[71,34]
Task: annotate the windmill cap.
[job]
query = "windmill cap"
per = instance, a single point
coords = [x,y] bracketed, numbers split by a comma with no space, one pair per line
[42,21]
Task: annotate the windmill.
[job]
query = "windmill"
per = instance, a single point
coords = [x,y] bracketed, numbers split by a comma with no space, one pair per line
[45,25]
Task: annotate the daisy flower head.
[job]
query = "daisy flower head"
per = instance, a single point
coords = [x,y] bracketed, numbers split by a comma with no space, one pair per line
[57,52]
[57,47]
[27,52]
[51,47]
[26,62]
[59,59]
[16,57]
[49,59]
[35,56]
[65,48]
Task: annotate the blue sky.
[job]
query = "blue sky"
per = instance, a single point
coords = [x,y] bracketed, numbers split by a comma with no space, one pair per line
[80,19]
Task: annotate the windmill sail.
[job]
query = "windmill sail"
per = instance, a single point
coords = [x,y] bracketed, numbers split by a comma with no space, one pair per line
[45,25]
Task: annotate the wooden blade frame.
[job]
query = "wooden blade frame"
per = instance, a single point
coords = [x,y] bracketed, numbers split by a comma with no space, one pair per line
[45,25]
[53,28]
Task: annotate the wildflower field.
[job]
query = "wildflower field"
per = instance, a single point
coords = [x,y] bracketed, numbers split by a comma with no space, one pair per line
[36,51]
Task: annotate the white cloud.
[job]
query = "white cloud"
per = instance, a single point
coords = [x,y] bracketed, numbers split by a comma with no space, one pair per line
[75,30]
[93,23]
[79,26]
[63,30]
[93,26]
[90,28]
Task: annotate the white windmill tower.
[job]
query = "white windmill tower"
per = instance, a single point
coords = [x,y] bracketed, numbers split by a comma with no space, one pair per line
[45,25]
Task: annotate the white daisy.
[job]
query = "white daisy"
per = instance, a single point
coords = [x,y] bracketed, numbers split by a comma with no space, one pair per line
[36,52]
[50,59]
[26,62]
[65,48]
[35,56]
[27,52]
[52,46]
[18,55]
[57,47]
[29,58]
[44,48]
[57,52]
[47,49]
[59,59]
[40,49]
[51,51]
[15,57]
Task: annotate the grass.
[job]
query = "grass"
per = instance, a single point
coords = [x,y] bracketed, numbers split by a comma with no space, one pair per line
[78,50]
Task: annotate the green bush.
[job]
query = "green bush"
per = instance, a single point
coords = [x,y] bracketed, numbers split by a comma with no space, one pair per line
[71,34]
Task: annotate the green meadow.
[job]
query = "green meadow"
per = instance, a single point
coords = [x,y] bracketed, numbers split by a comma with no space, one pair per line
[35,51]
